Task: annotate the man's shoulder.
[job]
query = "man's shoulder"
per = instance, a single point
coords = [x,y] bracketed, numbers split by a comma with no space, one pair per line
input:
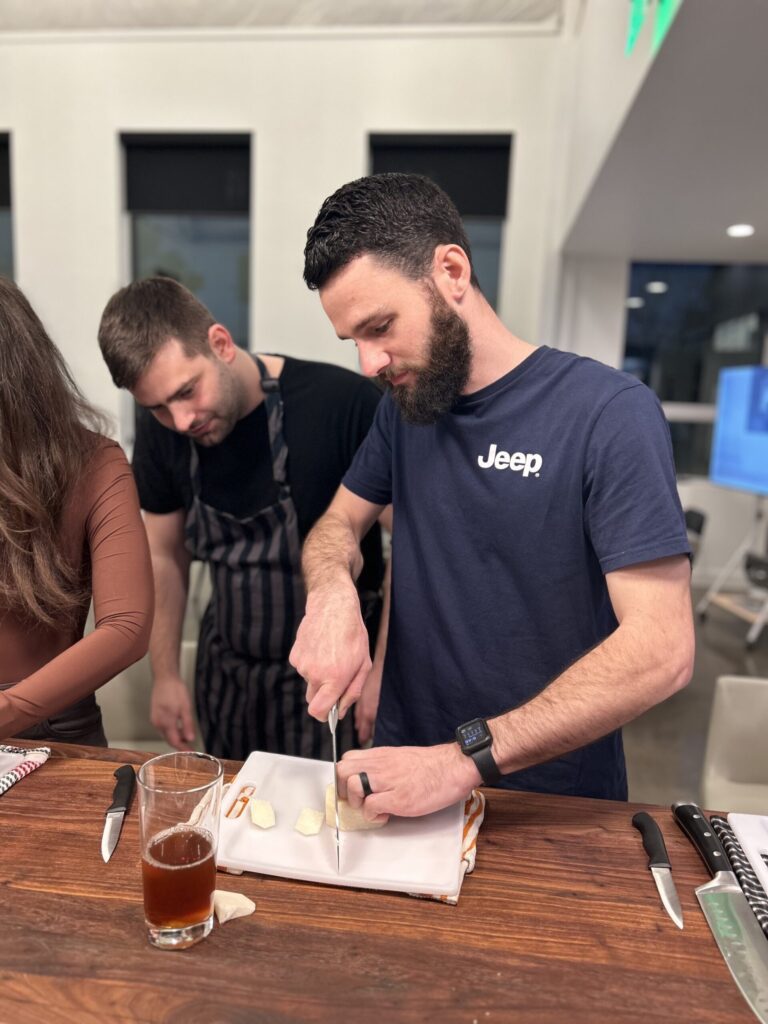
[587,378]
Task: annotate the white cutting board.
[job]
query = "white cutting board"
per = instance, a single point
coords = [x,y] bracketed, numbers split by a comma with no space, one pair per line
[415,855]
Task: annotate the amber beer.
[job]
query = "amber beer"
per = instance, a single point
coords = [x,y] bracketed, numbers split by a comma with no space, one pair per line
[179,809]
[179,875]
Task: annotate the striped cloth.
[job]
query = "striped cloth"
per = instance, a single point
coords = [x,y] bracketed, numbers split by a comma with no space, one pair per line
[474,813]
[743,870]
[16,762]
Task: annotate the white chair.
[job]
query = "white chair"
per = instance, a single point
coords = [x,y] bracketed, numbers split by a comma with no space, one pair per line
[124,703]
[735,773]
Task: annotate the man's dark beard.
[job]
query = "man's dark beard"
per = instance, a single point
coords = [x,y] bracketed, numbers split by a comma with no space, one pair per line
[437,386]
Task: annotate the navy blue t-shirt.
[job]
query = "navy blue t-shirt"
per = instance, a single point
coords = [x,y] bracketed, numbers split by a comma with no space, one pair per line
[507,514]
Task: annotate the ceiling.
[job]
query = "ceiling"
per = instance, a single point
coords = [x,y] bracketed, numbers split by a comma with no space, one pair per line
[692,156]
[80,15]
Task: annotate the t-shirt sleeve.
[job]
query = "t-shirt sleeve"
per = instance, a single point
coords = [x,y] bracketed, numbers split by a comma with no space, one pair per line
[156,466]
[370,475]
[368,400]
[123,600]
[632,511]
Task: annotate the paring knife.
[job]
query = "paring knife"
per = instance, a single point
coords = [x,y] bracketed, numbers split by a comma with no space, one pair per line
[333,721]
[658,862]
[121,800]
[739,937]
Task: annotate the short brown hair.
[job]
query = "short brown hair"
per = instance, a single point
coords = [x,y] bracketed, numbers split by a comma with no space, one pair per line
[140,318]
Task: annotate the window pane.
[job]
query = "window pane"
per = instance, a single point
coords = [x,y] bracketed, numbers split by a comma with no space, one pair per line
[691,443]
[206,253]
[6,246]
[484,235]
[707,318]
[685,323]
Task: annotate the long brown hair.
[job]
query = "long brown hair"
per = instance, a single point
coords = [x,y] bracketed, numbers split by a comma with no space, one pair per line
[45,441]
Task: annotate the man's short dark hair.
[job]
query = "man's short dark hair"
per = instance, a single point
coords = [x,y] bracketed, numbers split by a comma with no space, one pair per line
[399,218]
[140,318]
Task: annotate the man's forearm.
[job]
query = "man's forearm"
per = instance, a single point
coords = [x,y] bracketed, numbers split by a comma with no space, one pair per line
[630,672]
[171,587]
[331,553]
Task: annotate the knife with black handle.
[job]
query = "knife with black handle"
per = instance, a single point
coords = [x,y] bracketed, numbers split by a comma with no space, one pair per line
[658,862]
[734,926]
[121,801]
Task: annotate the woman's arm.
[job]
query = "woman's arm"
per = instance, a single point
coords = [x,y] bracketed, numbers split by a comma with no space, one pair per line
[116,541]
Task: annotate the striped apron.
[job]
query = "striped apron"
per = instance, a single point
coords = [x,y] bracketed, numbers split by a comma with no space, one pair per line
[247,695]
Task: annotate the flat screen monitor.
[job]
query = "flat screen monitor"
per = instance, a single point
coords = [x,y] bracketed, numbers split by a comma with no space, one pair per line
[740,441]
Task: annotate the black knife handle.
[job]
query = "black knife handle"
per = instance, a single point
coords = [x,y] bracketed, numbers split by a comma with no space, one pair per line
[691,820]
[126,781]
[653,840]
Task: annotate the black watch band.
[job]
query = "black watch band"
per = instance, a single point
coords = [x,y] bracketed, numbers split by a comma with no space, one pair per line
[475,740]
[486,765]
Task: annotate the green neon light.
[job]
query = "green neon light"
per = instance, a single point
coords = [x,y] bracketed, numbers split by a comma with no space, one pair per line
[638,10]
[663,18]
[665,15]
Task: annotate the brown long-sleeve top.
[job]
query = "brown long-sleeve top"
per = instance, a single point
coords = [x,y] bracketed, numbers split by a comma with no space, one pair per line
[102,531]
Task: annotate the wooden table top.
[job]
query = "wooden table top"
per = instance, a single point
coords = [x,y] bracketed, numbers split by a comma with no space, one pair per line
[559,922]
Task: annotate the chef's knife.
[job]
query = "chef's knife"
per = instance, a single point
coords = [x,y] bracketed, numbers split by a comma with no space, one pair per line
[658,862]
[733,924]
[333,721]
[121,800]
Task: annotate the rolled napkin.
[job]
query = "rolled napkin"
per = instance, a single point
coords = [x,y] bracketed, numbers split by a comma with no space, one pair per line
[16,762]
[748,880]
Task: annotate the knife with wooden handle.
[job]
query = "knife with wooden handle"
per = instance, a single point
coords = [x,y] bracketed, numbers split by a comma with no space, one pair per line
[658,862]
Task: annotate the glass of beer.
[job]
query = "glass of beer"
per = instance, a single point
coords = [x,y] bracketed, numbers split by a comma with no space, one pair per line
[179,804]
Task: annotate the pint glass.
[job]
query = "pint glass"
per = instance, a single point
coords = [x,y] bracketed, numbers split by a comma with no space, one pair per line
[179,803]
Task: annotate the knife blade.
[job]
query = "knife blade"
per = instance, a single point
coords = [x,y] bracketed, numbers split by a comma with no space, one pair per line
[658,862]
[121,801]
[333,721]
[738,935]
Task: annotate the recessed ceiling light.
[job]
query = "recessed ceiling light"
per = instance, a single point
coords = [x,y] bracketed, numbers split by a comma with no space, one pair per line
[635,302]
[741,230]
[656,287]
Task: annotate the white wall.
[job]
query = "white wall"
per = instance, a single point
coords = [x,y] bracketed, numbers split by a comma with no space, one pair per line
[593,310]
[310,104]
[604,84]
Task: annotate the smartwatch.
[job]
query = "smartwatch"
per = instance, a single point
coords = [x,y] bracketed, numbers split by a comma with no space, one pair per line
[474,739]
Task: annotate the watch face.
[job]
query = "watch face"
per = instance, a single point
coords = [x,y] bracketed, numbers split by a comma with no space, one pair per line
[473,735]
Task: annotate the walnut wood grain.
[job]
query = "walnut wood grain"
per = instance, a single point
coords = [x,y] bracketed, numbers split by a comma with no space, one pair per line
[560,922]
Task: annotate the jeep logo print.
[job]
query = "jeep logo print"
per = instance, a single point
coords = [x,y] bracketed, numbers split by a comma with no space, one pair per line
[518,462]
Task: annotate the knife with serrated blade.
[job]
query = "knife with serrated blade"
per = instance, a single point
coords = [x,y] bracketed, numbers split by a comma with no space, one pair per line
[333,721]
[734,926]
[658,862]
[121,801]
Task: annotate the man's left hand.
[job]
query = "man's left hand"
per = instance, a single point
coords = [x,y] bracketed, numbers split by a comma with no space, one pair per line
[407,781]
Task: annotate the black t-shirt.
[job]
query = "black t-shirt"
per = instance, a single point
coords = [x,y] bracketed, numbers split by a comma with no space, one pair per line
[327,413]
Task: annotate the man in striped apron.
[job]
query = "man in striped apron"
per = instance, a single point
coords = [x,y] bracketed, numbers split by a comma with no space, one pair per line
[236,456]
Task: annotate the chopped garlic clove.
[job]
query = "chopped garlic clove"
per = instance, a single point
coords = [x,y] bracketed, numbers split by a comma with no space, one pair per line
[262,813]
[227,905]
[309,822]
[351,819]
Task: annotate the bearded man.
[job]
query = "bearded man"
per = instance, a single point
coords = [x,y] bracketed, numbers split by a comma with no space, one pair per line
[236,457]
[540,572]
